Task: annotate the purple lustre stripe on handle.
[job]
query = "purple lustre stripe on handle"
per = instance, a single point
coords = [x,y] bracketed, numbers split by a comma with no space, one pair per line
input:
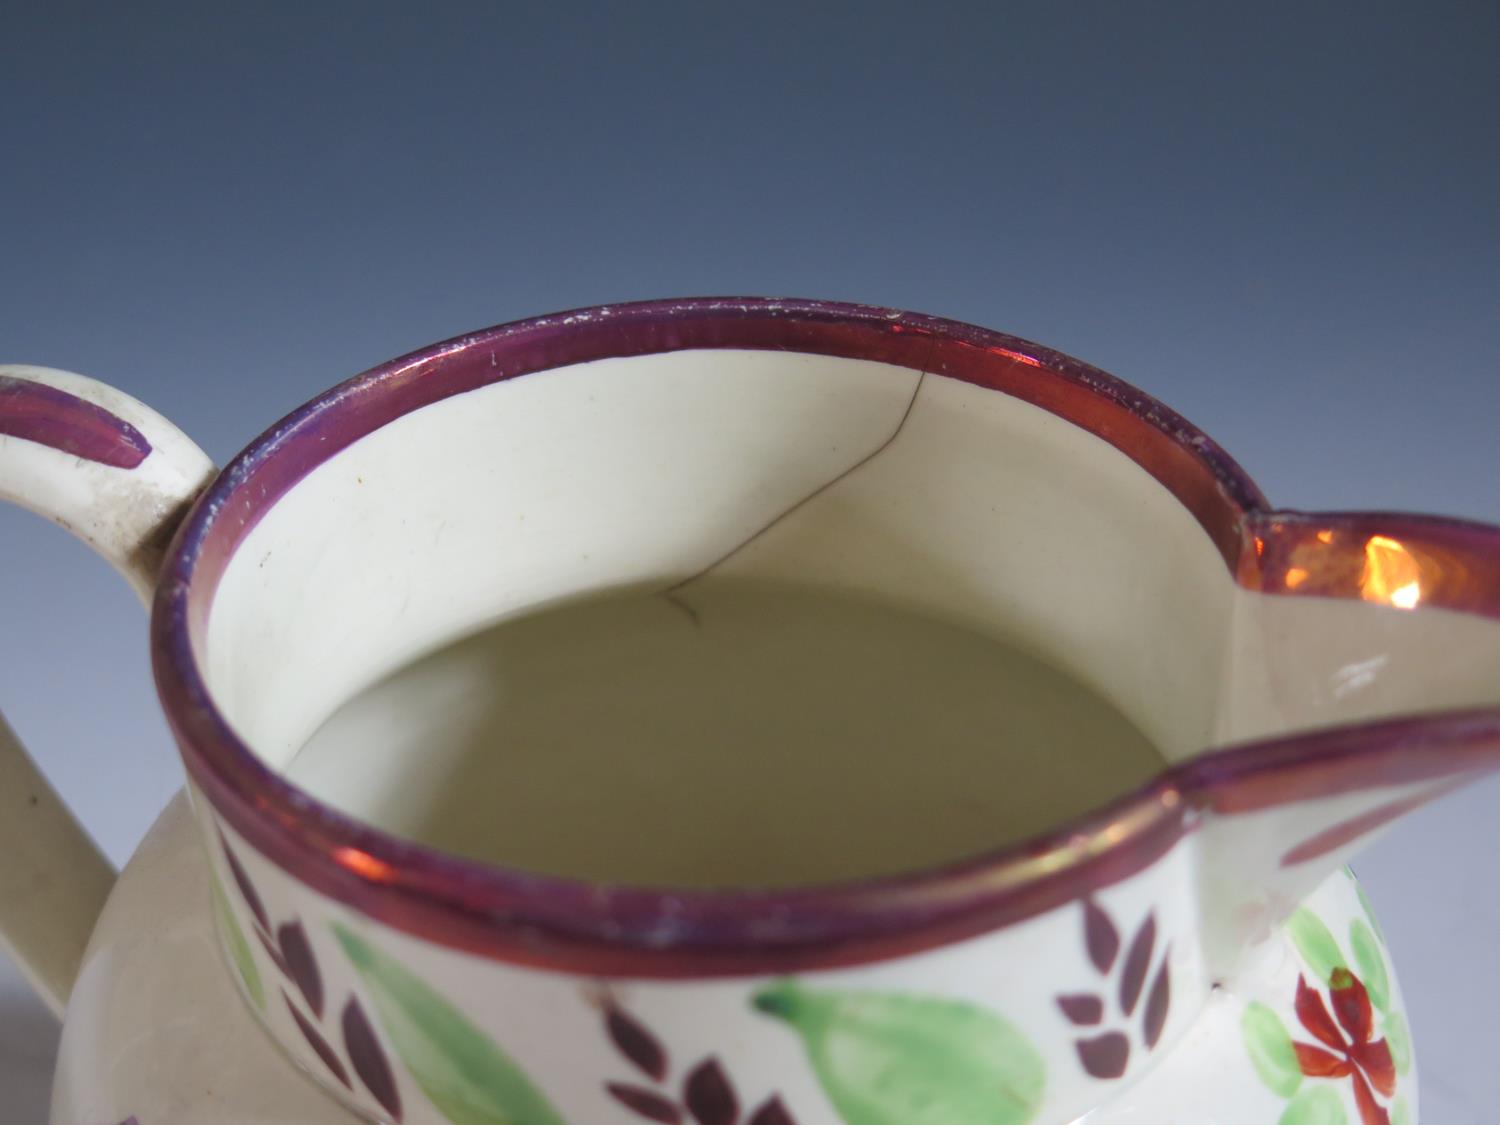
[54,418]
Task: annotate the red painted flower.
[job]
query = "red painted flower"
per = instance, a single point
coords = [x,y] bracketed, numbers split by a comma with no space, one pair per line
[1367,1064]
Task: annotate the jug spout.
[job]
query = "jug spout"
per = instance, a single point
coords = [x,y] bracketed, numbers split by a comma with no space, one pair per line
[1363,683]
[1280,817]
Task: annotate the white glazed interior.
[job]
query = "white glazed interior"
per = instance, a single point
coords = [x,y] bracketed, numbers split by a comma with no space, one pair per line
[985,509]
[957,500]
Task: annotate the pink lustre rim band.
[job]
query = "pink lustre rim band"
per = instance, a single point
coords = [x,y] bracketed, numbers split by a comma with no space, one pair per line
[588,929]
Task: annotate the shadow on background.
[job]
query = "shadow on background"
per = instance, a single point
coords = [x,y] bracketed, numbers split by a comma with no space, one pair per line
[28,1050]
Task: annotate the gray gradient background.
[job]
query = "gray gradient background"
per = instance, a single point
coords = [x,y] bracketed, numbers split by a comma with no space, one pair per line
[1282,222]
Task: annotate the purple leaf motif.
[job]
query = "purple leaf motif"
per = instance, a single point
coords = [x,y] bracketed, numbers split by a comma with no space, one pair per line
[247,888]
[1158,1003]
[369,1059]
[636,1043]
[1106,1055]
[709,1096]
[301,965]
[1100,935]
[1137,961]
[318,1044]
[646,1103]
[1082,1009]
[273,953]
[772,1112]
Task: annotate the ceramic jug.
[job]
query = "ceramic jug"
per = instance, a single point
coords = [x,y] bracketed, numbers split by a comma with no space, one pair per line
[1194,951]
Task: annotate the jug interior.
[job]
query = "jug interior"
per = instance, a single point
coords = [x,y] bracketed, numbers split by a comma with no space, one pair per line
[973,517]
[737,733]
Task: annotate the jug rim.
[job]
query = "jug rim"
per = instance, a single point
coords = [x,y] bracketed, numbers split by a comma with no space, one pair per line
[589,928]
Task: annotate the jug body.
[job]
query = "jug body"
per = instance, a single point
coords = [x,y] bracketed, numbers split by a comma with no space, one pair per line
[154,986]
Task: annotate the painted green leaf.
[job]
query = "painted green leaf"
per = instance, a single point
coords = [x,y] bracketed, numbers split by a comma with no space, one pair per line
[239,948]
[1316,1105]
[1371,963]
[1398,1038]
[1315,943]
[894,1059]
[1364,901]
[1271,1050]
[460,1069]
[1400,1112]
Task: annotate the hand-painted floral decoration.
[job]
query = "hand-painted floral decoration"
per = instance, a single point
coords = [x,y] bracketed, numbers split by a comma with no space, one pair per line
[1349,1042]
[1106,1053]
[705,1094]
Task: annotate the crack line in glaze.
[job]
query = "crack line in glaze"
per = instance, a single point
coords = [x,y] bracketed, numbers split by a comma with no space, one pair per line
[671,593]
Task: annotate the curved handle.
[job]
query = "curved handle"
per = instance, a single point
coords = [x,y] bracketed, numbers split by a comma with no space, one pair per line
[109,469]
[120,477]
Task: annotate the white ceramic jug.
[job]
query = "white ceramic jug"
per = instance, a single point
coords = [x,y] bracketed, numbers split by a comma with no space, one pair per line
[1194,951]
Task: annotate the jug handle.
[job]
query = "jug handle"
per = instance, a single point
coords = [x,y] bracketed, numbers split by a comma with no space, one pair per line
[120,477]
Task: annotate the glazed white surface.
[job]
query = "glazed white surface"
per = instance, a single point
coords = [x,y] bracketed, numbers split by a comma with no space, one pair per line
[164,1034]
[959,501]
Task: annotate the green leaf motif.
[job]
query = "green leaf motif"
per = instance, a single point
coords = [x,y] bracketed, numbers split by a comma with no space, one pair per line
[1317,1105]
[1315,943]
[1398,1038]
[1271,1050]
[894,1059]
[1371,962]
[1400,1112]
[239,948]
[460,1069]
